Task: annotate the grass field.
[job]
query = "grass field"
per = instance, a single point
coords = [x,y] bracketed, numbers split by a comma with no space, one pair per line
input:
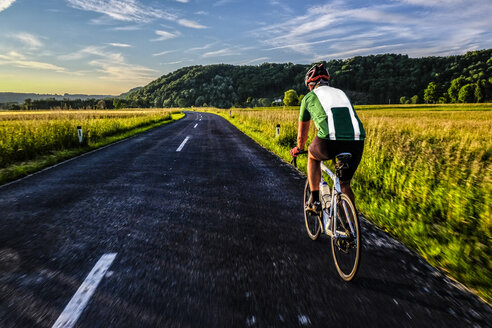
[31,140]
[425,177]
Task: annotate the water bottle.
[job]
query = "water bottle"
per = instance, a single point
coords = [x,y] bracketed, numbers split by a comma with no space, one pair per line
[325,195]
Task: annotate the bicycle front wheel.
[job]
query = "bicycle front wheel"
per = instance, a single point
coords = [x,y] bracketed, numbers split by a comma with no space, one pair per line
[313,223]
[346,244]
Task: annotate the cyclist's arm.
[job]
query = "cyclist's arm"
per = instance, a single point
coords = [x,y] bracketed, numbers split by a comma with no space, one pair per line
[302,134]
[304,119]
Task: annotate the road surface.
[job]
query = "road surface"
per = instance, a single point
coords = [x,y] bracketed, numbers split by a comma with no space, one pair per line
[194,225]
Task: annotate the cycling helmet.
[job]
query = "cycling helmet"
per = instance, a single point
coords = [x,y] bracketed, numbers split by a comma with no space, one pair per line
[316,73]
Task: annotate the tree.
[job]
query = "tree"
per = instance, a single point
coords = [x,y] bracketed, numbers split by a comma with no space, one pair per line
[478,92]
[403,100]
[264,102]
[117,103]
[101,104]
[300,99]
[27,103]
[415,99]
[432,93]
[467,93]
[455,88]
[290,97]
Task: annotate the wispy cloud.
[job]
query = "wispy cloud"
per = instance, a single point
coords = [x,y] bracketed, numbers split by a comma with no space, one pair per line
[123,10]
[402,26]
[130,11]
[221,52]
[111,66]
[21,61]
[183,1]
[190,24]
[4,4]
[29,40]
[223,2]
[207,46]
[120,45]
[127,28]
[164,35]
[162,53]
[256,60]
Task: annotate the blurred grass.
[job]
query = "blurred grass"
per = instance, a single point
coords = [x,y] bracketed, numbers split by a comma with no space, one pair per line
[425,177]
[32,140]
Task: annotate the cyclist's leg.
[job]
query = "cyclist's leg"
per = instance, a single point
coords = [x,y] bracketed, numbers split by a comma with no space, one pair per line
[314,172]
[347,190]
[356,148]
[317,153]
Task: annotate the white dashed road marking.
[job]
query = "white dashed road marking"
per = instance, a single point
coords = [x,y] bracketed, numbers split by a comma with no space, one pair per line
[74,308]
[195,126]
[183,143]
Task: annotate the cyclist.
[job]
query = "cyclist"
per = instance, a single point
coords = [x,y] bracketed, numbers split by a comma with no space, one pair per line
[339,131]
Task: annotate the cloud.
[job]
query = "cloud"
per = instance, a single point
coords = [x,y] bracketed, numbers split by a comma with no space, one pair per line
[402,26]
[207,46]
[29,40]
[122,10]
[4,4]
[164,35]
[221,52]
[190,24]
[162,53]
[223,2]
[248,62]
[183,1]
[120,45]
[112,66]
[19,60]
[127,28]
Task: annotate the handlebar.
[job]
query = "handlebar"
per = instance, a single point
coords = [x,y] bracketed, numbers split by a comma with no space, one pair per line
[294,159]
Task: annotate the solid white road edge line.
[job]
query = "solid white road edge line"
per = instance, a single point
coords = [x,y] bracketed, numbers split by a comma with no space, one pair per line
[74,308]
[183,143]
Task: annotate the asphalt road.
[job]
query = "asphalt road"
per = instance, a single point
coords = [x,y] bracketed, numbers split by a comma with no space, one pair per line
[211,235]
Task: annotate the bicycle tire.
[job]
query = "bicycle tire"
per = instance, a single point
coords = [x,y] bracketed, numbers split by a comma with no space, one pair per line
[351,247]
[313,223]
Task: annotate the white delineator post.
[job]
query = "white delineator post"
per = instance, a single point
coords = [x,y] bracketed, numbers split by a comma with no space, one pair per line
[278,130]
[79,133]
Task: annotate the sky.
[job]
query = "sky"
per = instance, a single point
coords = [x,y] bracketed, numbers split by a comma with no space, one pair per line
[111,46]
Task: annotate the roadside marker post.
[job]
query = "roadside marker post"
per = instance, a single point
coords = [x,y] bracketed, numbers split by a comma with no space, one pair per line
[79,133]
[278,130]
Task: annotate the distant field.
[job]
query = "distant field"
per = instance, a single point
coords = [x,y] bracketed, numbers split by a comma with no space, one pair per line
[426,177]
[30,140]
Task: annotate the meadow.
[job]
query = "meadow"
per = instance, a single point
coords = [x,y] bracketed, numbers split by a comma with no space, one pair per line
[425,177]
[31,140]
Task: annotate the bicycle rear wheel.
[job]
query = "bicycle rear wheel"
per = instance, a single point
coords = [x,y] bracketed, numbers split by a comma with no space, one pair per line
[346,248]
[313,223]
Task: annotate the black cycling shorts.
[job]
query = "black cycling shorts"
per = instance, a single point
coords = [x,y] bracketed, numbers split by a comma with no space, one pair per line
[326,149]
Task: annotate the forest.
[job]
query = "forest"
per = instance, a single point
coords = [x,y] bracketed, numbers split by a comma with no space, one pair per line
[374,79]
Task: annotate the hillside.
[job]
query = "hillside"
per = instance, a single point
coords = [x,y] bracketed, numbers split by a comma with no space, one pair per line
[14,97]
[371,79]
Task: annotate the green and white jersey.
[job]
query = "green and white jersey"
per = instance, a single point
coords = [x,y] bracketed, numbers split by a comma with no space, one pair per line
[332,113]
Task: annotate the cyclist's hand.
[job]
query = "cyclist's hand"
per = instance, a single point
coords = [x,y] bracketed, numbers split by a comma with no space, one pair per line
[295,151]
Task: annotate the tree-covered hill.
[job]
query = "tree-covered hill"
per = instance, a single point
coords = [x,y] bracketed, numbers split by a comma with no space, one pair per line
[371,79]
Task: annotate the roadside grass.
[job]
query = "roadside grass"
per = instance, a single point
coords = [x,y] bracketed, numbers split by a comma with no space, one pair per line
[33,140]
[425,177]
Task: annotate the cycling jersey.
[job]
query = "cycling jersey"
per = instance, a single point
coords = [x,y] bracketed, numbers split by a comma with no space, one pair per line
[332,113]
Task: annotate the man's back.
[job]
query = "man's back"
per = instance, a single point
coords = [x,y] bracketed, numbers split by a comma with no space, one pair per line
[332,113]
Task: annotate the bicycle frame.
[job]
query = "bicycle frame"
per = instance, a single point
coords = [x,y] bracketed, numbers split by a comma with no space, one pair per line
[335,194]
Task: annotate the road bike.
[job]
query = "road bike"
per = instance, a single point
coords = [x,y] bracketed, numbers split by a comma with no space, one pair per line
[337,219]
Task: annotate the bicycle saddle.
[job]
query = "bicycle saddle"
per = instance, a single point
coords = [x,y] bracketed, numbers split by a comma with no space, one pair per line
[342,157]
